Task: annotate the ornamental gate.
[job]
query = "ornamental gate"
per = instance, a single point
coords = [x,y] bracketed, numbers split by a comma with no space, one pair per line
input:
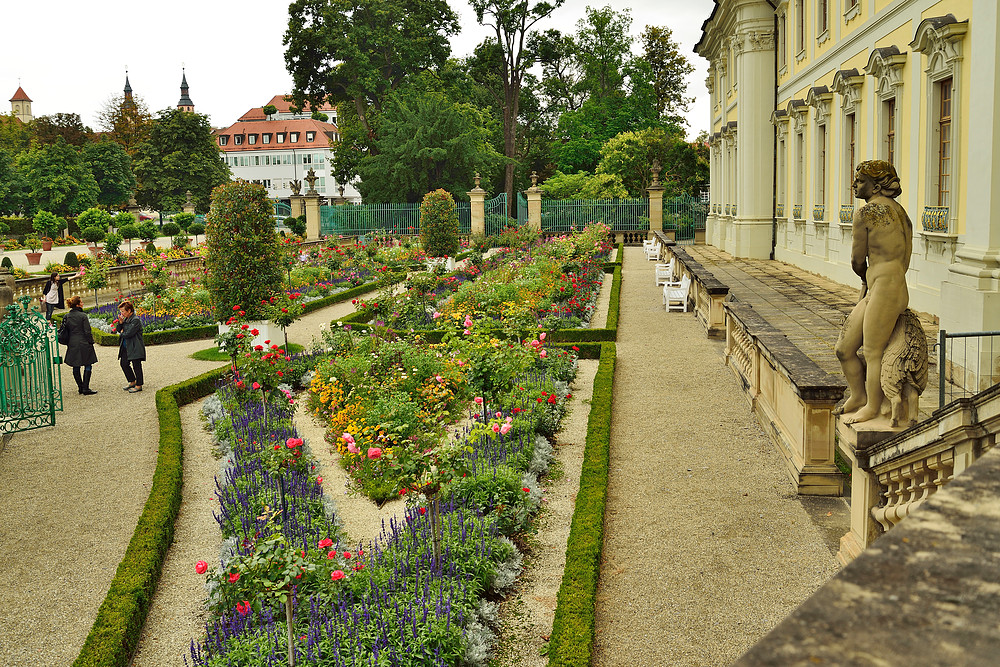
[30,381]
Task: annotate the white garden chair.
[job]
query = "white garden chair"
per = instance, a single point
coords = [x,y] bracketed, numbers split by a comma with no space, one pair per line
[675,295]
[664,273]
[652,250]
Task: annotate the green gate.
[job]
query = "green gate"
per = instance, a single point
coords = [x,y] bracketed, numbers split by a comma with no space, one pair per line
[282,210]
[684,216]
[622,215]
[495,211]
[30,381]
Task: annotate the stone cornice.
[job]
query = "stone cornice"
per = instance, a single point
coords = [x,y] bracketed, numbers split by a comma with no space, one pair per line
[819,97]
[796,110]
[940,36]
[848,83]
[886,66]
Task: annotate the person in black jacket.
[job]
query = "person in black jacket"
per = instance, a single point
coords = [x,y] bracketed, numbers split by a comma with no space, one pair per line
[80,348]
[131,349]
[54,299]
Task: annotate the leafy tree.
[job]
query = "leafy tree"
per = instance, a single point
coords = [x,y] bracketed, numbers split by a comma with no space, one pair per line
[630,156]
[243,260]
[358,51]
[439,224]
[183,220]
[583,186]
[113,243]
[195,229]
[68,126]
[556,53]
[180,155]
[15,137]
[129,232]
[58,179]
[426,142]
[320,116]
[122,219]
[47,224]
[13,187]
[602,49]
[147,231]
[512,25]
[112,169]
[125,124]
[269,110]
[668,67]
[94,217]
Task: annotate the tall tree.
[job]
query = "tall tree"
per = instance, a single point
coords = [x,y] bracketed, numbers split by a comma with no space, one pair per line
[112,169]
[561,75]
[603,50]
[668,67]
[58,179]
[180,155]
[127,124]
[356,52]
[13,189]
[15,136]
[69,126]
[630,156]
[427,142]
[512,24]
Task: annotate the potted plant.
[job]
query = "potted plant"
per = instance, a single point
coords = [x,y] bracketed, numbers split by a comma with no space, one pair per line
[32,243]
[93,235]
[48,225]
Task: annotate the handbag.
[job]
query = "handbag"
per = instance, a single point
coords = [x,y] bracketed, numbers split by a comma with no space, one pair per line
[63,334]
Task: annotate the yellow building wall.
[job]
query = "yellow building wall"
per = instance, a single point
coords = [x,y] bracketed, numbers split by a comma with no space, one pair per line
[880,4]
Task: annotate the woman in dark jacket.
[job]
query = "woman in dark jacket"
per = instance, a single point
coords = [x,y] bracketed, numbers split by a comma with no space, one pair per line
[131,349]
[80,348]
[55,299]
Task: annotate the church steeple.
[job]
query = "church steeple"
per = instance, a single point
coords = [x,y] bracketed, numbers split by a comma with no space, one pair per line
[128,102]
[185,103]
[20,105]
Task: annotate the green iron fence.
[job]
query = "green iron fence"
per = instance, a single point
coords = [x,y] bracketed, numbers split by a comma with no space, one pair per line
[30,381]
[684,216]
[622,215]
[361,219]
[496,215]
[522,209]
[282,210]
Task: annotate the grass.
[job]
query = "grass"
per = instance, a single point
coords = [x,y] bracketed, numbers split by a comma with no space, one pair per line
[213,354]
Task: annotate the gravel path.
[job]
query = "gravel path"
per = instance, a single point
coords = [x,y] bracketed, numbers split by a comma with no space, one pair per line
[706,545]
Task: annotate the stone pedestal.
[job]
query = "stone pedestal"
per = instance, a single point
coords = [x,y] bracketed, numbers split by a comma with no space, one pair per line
[296,205]
[477,201]
[655,193]
[312,216]
[534,196]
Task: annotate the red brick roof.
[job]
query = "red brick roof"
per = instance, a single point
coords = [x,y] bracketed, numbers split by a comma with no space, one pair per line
[20,96]
[284,102]
[301,125]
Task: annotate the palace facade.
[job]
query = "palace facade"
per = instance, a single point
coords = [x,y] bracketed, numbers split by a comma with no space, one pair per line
[804,90]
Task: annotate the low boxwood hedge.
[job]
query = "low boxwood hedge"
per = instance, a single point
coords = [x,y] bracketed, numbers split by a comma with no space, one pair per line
[572,639]
[116,631]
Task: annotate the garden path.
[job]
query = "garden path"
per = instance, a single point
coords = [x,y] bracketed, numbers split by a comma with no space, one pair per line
[706,545]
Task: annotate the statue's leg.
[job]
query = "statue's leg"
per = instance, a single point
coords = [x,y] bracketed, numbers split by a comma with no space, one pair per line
[884,307]
[847,348]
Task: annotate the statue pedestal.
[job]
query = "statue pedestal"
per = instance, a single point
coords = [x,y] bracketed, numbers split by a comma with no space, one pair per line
[853,443]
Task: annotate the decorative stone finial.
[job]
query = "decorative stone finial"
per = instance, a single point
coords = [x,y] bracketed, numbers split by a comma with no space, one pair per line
[534,179]
[296,186]
[188,195]
[311,179]
[341,188]
[656,168]
[477,179]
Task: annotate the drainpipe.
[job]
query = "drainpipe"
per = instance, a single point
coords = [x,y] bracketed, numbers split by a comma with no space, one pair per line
[774,143]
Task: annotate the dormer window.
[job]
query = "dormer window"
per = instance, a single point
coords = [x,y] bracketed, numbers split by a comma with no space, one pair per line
[237,139]
[266,137]
[293,137]
[223,139]
[252,139]
[310,136]
[281,137]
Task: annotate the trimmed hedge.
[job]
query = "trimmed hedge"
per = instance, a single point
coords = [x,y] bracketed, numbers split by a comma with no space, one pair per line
[572,640]
[160,337]
[115,634]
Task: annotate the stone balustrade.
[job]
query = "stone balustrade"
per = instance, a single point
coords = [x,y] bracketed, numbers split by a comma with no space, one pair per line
[895,471]
[707,293]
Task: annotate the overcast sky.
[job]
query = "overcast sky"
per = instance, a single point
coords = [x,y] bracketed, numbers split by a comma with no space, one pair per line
[71,56]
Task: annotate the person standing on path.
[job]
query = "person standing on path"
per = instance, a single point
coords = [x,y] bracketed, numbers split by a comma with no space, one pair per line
[131,348]
[52,295]
[80,346]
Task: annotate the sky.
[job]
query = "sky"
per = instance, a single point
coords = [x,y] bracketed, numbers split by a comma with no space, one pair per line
[73,59]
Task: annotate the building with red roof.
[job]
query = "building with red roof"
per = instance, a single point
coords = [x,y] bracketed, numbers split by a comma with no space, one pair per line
[278,149]
[20,106]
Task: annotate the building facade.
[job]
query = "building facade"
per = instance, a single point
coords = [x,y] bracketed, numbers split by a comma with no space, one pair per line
[804,90]
[278,149]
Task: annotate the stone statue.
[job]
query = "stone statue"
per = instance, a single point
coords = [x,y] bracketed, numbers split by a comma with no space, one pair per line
[295,185]
[880,255]
[904,369]
[187,199]
[311,179]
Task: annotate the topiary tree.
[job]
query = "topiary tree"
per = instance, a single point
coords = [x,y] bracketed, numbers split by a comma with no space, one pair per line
[129,232]
[93,235]
[147,232]
[269,110]
[184,220]
[439,224]
[170,229]
[121,219]
[296,224]
[47,224]
[112,243]
[195,229]
[71,259]
[94,217]
[243,260]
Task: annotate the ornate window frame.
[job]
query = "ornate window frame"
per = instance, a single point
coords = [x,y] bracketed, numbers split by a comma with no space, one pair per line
[848,83]
[779,118]
[940,39]
[822,32]
[885,65]
[821,100]
[781,40]
[851,11]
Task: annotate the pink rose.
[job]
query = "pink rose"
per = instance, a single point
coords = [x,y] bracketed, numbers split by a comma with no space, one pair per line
[352,448]
[439,378]
[374,453]
[478,400]
[496,428]
[201,567]
[331,555]
[324,543]
[337,575]
[505,429]
[543,354]
[348,438]
[541,336]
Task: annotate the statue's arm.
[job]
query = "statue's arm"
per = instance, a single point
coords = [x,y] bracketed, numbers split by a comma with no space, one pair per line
[859,247]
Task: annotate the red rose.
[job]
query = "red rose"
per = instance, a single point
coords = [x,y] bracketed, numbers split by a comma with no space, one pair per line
[201,567]
[234,577]
[337,575]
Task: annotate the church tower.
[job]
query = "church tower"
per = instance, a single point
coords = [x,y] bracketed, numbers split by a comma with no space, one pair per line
[185,103]
[20,106]
[128,102]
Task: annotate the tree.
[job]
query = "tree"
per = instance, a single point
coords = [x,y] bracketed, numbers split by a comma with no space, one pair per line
[583,186]
[668,67]
[180,155]
[243,260]
[15,137]
[269,110]
[13,188]
[630,156]
[320,116]
[602,50]
[359,51]
[69,126]
[47,224]
[127,123]
[427,142]
[58,179]
[512,25]
[112,169]
[439,224]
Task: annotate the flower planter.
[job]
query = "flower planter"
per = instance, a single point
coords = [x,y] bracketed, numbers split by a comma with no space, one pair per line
[34,258]
[46,245]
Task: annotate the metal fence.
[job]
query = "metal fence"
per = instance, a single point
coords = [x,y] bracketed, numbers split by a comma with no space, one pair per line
[968,364]
[30,381]
[567,215]
[282,210]
[359,219]
[684,216]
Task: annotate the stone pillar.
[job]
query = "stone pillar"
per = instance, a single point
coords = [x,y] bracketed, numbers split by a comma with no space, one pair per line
[477,201]
[534,196]
[132,208]
[655,192]
[296,206]
[855,440]
[6,290]
[312,215]
[753,47]
[188,204]
[970,296]
[340,199]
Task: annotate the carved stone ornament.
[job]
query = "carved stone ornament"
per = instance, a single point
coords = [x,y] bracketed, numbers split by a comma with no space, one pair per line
[710,83]
[311,179]
[296,186]
[796,110]
[940,39]
[760,40]
[656,169]
[736,42]
[534,179]
[848,83]
[188,198]
[886,66]
[779,118]
[819,98]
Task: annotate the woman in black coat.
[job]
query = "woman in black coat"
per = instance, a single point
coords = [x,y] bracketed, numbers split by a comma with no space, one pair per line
[131,349]
[55,299]
[80,348]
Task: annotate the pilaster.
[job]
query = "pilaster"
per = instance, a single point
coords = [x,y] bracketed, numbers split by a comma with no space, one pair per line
[534,197]
[477,201]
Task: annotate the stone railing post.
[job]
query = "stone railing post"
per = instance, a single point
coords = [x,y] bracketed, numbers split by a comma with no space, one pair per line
[655,192]
[477,202]
[312,215]
[534,195]
[296,205]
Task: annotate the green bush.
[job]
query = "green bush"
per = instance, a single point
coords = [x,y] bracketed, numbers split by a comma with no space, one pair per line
[129,231]
[243,264]
[147,231]
[196,229]
[6,262]
[183,220]
[47,224]
[296,225]
[93,234]
[439,224]
[112,243]
[71,259]
[170,229]
[121,219]
[94,217]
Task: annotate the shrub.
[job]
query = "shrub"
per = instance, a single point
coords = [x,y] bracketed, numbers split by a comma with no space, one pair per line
[243,263]
[147,231]
[93,234]
[195,229]
[296,224]
[71,259]
[439,224]
[183,220]
[95,218]
[112,242]
[47,224]
[129,231]
[171,229]
[6,262]
[121,219]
